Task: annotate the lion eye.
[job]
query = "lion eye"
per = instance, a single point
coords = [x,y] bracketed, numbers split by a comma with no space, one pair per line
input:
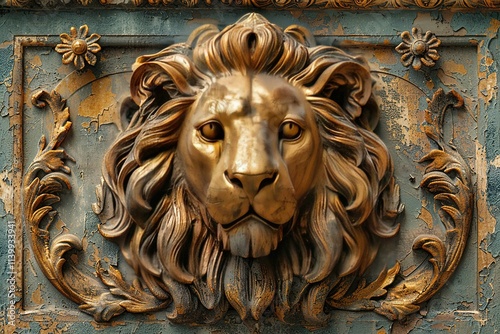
[212,131]
[290,131]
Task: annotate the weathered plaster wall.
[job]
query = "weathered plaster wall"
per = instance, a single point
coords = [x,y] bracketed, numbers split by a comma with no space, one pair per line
[467,304]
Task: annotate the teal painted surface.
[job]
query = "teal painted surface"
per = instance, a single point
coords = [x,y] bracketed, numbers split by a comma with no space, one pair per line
[468,304]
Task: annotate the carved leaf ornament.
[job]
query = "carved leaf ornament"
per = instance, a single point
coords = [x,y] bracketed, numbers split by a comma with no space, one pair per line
[215,210]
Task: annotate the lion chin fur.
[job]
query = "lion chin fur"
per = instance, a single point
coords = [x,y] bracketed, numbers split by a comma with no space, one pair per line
[165,232]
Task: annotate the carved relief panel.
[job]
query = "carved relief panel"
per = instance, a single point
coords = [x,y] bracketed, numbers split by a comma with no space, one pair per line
[245,175]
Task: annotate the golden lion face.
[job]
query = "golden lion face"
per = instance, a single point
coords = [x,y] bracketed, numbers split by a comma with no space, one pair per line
[250,151]
[250,176]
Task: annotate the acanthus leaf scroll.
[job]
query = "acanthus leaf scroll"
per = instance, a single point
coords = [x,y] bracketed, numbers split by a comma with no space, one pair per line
[218,201]
[447,177]
[45,180]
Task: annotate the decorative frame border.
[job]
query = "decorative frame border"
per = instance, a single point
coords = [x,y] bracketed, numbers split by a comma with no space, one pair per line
[16,122]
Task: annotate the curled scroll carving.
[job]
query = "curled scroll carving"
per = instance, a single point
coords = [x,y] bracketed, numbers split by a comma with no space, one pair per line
[45,179]
[447,177]
[249,178]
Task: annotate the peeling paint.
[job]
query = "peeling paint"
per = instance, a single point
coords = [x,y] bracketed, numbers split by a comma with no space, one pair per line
[99,326]
[100,106]
[488,86]
[386,58]
[5,44]
[447,78]
[485,259]
[430,84]
[453,67]
[493,28]
[496,162]
[6,191]
[339,31]
[426,216]
[36,61]
[74,81]
[440,25]
[36,296]
[402,98]
[486,226]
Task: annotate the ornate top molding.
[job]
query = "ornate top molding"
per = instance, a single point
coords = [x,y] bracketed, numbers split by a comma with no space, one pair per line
[464,5]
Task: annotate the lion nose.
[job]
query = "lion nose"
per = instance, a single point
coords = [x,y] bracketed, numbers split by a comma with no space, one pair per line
[252,183]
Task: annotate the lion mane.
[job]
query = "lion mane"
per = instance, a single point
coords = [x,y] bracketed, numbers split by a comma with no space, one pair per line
[166,234]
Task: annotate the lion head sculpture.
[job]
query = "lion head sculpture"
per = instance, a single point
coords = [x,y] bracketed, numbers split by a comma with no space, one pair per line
[250,176]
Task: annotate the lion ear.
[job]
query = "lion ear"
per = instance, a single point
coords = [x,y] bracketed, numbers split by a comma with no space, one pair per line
[347,82]
[171,72]
[164,76]
[154,80]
